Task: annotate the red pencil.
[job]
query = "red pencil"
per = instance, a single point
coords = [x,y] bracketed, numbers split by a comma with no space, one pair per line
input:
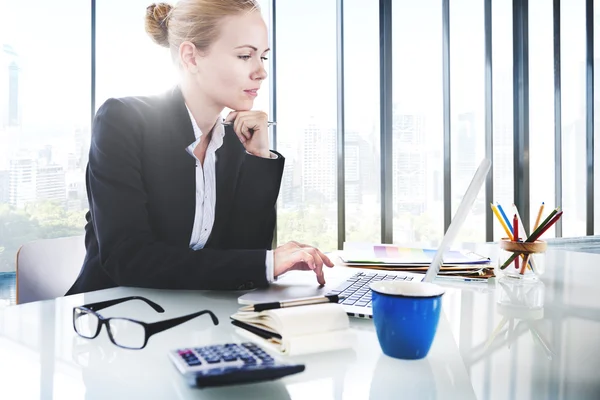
[516,236]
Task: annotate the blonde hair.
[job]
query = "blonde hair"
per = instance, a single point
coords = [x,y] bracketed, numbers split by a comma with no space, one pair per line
[196,21]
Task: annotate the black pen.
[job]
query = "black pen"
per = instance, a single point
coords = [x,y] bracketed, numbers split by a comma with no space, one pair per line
[292,303]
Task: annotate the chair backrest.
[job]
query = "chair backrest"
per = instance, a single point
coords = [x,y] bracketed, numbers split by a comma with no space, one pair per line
[47,268]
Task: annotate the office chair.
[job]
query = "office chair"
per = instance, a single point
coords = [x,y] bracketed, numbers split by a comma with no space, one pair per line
[47,268]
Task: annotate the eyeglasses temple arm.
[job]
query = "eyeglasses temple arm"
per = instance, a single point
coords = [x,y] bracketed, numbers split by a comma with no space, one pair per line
[104,304]
[160,326]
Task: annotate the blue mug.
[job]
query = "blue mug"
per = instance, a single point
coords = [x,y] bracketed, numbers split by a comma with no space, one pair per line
[406,316]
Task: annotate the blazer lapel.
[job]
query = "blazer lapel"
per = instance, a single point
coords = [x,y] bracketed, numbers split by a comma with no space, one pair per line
[184,165]
[229,162]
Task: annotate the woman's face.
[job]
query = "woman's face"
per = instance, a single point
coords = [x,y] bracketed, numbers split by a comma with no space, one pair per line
[232,69]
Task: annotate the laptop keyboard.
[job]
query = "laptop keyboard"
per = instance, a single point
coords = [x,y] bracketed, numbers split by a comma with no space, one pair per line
[356,289]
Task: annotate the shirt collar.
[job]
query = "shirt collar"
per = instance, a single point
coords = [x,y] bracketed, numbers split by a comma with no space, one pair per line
[218,131]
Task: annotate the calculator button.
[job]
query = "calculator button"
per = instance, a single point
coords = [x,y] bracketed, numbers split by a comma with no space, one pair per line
[194,363]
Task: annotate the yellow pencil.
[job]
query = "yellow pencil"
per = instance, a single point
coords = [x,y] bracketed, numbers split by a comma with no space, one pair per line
[539,217]
[497,214]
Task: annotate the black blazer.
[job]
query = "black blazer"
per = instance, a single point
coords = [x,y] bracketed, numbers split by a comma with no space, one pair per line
[141,186]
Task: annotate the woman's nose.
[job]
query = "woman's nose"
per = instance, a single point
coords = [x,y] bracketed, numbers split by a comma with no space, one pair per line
[260,73]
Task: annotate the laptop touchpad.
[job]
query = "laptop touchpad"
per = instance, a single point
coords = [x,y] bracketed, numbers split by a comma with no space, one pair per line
[287,289]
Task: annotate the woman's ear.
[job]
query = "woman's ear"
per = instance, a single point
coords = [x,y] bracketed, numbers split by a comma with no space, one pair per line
[187,55]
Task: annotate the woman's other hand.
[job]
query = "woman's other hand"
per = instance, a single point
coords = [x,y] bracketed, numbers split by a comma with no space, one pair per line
[298,256]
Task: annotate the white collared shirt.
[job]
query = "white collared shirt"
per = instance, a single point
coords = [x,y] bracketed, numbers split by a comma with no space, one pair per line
[206,190]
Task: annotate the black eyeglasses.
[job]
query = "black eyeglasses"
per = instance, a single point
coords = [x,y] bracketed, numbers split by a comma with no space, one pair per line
[125,332]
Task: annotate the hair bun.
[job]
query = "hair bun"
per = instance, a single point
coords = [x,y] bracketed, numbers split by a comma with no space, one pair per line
[157,18]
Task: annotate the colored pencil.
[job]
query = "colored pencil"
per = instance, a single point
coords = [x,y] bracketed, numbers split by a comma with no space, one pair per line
[505,217]
[537,233]
[502,223]
[516,237]
[523,234]
[539,217]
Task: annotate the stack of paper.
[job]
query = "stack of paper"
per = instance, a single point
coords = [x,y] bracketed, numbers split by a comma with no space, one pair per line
[393,257]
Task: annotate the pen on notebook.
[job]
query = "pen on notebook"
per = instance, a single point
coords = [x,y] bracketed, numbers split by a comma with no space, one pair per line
[459,279]
[293,303]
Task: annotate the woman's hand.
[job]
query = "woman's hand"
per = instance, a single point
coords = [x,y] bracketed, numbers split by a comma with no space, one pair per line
[297,256]
[251,127]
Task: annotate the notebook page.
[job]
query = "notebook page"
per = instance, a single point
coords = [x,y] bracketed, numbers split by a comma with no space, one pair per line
[312,319]
[298,321]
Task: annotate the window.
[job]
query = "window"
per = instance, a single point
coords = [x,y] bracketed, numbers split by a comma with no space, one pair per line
[362,146]
[596,121]
[306,122]
[467,109]
[541,109]
[128,62]
[502,101]
[573,117]
[418,134]
[44,121]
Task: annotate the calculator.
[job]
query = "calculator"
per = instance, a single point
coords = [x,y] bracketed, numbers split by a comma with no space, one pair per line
[229,364]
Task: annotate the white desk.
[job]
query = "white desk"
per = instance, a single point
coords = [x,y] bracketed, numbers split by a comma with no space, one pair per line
[41,357]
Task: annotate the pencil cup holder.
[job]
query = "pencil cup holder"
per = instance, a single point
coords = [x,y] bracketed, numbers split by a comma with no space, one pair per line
[513,255]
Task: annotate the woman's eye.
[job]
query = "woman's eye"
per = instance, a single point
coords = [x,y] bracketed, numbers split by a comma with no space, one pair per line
[244,57]
[264,58]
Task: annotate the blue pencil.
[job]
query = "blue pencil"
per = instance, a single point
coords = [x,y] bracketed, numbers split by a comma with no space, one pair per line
[505,218]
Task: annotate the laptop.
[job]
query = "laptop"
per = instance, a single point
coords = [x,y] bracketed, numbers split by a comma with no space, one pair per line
[355,288]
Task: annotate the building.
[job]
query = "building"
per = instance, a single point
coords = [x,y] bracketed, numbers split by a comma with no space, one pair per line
[76,195]
[319,165]
[51,184]
[352,170]
[4,186]
[361,169]
[22,184]
[464,138]
[409,164]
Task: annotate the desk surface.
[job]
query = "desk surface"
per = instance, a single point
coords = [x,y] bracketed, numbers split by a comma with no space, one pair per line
[494,341]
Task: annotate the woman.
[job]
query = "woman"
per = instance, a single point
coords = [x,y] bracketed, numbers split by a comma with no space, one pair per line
[180,199]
